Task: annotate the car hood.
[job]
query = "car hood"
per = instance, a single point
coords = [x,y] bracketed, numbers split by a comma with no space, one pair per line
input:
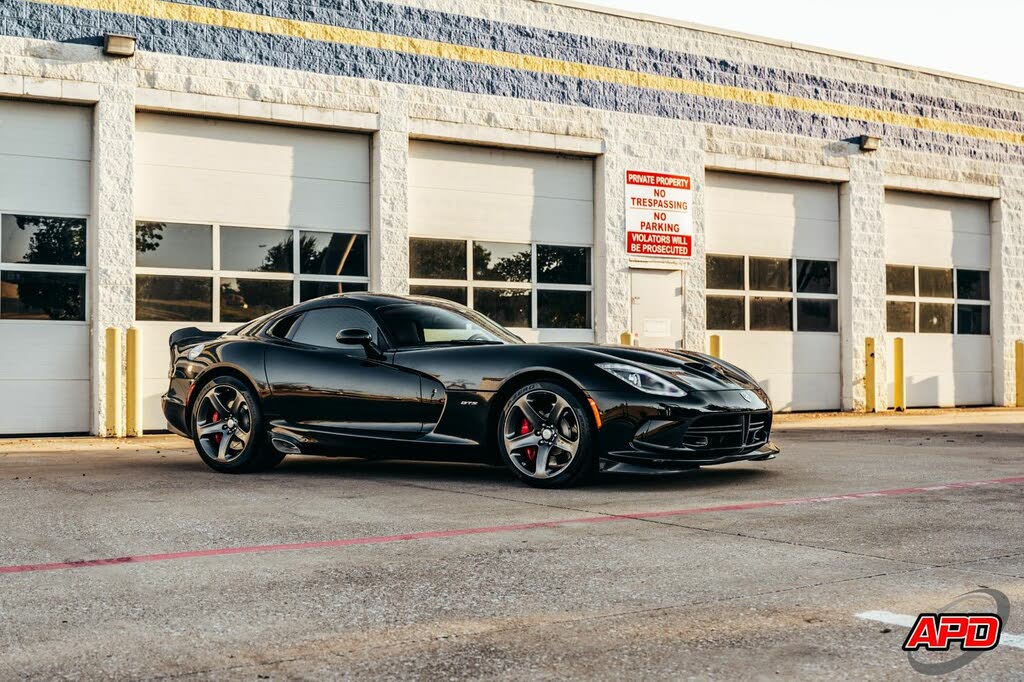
[697,371]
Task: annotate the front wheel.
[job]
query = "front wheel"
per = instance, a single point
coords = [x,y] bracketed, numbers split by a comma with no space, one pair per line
[545,437]
[227,428]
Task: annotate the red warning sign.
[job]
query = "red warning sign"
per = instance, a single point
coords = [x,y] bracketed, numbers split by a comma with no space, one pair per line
[658,218]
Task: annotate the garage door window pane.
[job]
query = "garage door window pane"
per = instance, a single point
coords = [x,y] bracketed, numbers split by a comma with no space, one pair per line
[173,245]
[771,314]
[770,274]
[437,258]
[725,272]
[311,290]
[507,307]
[242,300]
[972,319]
[935,283]
[249,249]
[972,284]
[173,298]
[816,277]
[725,312]
[899,316]
[327,253]
[563,309]
[457,294]
[42,241]
[563,264]
[42,296]
[498,262]
[936,318]
[899,280]
[813,315]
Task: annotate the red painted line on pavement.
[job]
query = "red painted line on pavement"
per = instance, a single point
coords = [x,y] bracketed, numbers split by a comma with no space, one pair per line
[437,534]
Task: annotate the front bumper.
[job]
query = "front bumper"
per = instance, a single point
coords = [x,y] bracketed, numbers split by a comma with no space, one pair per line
[651,434]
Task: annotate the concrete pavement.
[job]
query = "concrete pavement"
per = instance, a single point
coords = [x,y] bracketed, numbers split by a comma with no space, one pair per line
[633,577]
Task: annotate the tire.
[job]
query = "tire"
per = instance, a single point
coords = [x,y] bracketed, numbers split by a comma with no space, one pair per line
[228,431]
[545,427]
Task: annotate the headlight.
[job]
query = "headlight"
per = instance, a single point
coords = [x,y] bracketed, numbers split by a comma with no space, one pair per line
[642,379]
[195,351]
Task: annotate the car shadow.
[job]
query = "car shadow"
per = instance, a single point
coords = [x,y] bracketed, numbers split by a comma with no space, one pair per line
[425,473]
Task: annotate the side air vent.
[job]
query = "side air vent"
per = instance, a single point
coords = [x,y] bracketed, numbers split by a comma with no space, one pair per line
[285,446]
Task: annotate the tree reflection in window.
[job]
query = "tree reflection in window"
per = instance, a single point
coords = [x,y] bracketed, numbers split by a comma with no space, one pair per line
[563,264]
[497,262]
[42,295]
[243,299]
[326,253]
[148,236]
[437,258]
[41,240]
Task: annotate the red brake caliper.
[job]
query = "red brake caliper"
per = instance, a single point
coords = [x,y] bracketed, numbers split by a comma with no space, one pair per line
[524,428]
[216,436]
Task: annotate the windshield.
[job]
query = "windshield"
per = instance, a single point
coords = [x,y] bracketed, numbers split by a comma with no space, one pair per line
[421,324]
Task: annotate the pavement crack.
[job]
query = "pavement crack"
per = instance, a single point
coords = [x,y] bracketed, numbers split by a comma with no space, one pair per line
[516,627]
[791,543]
[967,568]
[630,517]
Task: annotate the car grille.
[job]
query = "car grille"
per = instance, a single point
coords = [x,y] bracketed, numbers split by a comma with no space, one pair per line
[728,431]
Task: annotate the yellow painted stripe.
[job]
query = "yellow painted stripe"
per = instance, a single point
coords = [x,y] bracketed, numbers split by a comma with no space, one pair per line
[160,9]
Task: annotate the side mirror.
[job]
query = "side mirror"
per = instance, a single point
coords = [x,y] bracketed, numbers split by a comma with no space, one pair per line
[354,337]
[359,337]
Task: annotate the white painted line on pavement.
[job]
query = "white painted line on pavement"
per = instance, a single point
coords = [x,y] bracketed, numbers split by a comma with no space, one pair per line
[905,621]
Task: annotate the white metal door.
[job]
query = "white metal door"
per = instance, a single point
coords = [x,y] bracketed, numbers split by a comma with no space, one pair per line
[45,153]
[936,234]
[226,195]
[778,218]
[527,214]
[656,298]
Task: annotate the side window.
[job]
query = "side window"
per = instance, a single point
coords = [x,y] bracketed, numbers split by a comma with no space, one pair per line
[320,327]
[282,328]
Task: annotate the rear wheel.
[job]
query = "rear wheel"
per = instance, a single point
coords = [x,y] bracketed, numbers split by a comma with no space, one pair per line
[545,436]
[227,428]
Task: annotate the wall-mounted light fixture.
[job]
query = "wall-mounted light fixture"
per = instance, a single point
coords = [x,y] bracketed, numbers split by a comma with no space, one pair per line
[869,143]
[115,45]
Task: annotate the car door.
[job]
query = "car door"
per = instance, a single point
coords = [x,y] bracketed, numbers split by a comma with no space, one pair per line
[319,384]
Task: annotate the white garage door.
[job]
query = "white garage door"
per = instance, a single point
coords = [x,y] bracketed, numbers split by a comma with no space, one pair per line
[236,220]
[938,299]
[509,233]
[773,251]
[44,331]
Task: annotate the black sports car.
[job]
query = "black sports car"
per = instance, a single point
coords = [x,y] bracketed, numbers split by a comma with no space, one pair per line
[375,376]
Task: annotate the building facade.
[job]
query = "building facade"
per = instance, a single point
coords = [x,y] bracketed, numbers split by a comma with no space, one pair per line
[254,154]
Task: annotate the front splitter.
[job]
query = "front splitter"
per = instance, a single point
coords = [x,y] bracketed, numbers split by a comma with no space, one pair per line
[630,464]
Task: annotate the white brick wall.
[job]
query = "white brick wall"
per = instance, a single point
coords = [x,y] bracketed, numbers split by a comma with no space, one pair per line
[389,231]
[170,83]
[862,279]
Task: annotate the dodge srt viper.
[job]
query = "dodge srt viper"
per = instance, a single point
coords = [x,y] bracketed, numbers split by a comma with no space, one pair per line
[375,376]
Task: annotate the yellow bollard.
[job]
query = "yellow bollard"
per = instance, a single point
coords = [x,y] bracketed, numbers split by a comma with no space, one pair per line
[133,381]
[869,375]
[899,380]
[1020,374]
[716,346]
[115,416]
[626,338]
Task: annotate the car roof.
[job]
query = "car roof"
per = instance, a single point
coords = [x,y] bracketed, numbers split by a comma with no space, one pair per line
[368,301]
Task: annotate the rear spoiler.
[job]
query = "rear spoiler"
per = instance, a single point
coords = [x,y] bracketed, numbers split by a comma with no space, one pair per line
[190,335]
